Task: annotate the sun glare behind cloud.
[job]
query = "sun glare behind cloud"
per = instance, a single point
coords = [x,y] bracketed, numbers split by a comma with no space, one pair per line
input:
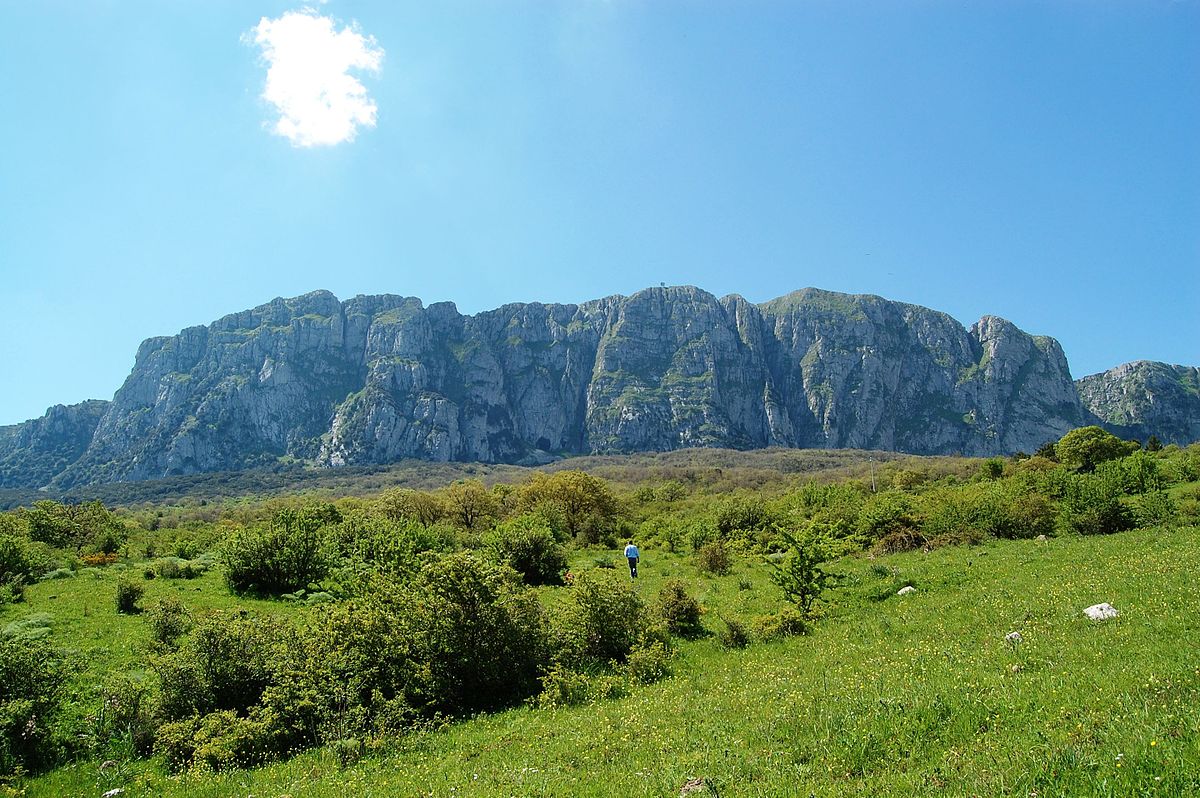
[309,81]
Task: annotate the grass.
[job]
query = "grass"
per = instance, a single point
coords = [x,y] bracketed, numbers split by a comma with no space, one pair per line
[889,696]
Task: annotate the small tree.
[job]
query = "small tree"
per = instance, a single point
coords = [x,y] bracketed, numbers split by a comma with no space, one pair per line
[1087,447]
[799,574]
[402,504]
[580,505]
[468,503]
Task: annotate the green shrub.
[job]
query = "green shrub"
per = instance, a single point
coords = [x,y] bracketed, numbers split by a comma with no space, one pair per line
[742,512]
[700,534]
[1156,509]
[58,573]
[289,553]
[577,505]
[648,663]
[563,687]
[169,620]
[785,623]
[1138,473]
[225,740]
[1092,506]
[175,742]
[125,717]
[392,546]
[602,622]
[679,611]
[476,636]
[527,545]
[20,559]
[714,558]
[33,676]
[890,514]
[1032,514]
[72,525]
[1087,447]
[177,568]
[34,626]
[734,635]
[225,664]
[128,596]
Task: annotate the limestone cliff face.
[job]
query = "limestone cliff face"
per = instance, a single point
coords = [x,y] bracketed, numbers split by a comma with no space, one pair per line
[33,452]
[1143,398]
[380,378]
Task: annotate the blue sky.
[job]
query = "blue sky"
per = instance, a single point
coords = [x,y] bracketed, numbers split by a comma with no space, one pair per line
[1037,161]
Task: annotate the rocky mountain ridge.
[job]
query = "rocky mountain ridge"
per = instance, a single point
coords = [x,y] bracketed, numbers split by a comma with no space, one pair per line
[375,379]
[1143,398]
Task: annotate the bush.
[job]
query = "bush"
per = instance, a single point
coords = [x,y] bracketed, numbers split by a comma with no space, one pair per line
[125,717]
[128,596]
[527,545]
[889,515]
[289,553]
[969,513]
[734,635]
[177,568]
[563,687]
[603,621]
[390,546]
[468,636]
[648,663]
[169,620]
[680,611]
[785,623]
[175,743]
[742,513]
[714,558]
[226,664]
[225,740]
[32,679]
[1156,509]
[1092,506]
[20,562]
[1087,447]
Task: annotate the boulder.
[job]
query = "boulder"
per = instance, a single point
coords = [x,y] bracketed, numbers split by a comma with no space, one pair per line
[904,591]
[1101,612]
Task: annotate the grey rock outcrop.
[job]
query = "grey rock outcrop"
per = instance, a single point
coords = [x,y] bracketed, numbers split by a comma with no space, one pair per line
[33,452]
[380,378]
[1144,398]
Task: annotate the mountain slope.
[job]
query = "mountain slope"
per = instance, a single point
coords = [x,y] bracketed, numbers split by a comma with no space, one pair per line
[1144,398]
[379,378]
[32,452]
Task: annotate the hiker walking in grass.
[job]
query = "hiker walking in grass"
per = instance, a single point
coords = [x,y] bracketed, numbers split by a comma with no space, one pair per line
[631,552]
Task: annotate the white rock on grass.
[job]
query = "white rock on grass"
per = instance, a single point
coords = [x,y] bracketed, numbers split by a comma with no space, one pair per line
[904,591]
[1101,612]
[1013,637]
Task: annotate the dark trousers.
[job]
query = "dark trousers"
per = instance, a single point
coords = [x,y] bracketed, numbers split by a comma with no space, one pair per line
[633,567]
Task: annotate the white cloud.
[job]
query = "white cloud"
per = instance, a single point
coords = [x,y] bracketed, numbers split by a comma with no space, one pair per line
[308,77]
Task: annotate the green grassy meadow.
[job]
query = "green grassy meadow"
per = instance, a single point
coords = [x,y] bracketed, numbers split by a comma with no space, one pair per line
[887,696]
